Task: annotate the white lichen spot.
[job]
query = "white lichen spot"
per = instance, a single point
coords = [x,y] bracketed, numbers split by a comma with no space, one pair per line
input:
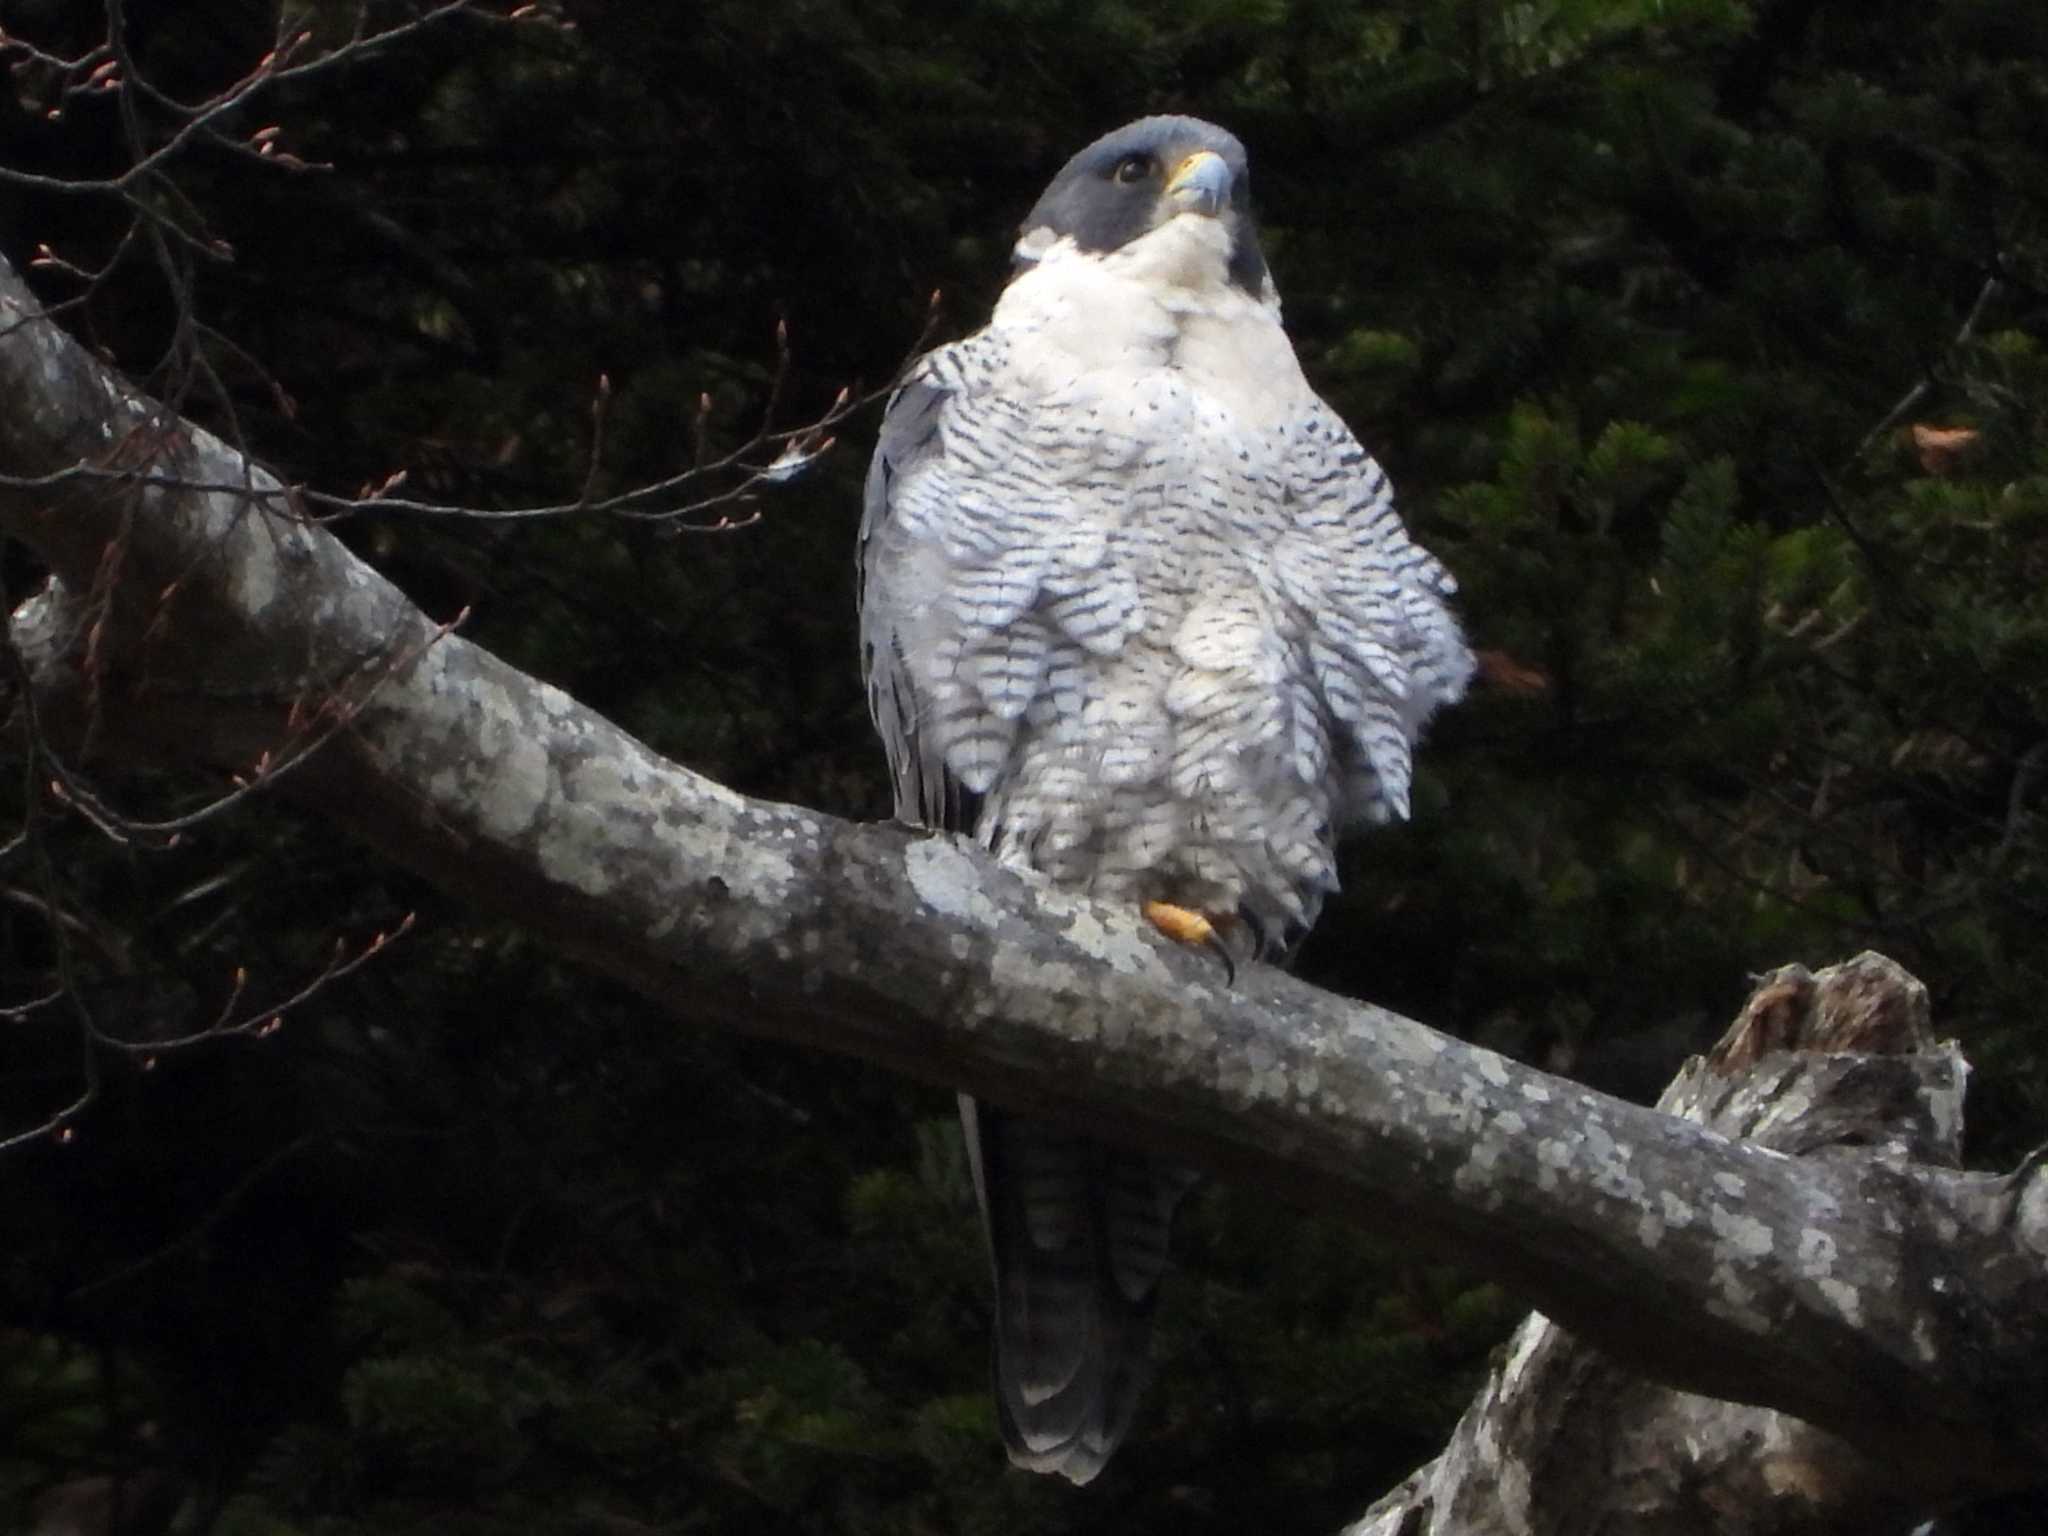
[510,772]
[757,876]
[1536,1093]
[1845,1299]
[1510,1124]
[1023,978]
[947,881]
[1493,1069]
[575,841]
[1457,1117]
[1551,1157]
[1123,947]
[1923,1339]
[1612,1166]
[1730,1184]
[1476,1172]
[564,860]
[1649,1230]
[1816,1253]
[1734,1303]
[1676,1212]
[607,782]
[1742,1232]
[1260,1074]
[1402,1042]
[255,568]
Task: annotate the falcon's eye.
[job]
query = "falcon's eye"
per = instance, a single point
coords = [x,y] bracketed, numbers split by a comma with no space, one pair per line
[1133,168]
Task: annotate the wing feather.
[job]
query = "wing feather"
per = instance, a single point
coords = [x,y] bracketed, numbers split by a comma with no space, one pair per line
[995,560]
[1385,653]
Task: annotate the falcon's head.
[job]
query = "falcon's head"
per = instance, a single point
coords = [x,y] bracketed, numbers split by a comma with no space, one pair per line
[1130,182]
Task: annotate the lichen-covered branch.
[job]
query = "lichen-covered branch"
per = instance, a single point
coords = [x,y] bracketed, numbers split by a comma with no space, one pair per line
[1898,1303]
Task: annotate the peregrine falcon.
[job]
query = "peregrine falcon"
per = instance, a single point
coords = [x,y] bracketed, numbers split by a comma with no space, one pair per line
[1136,613]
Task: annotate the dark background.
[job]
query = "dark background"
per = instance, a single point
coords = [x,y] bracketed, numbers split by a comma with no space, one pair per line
[1624,294]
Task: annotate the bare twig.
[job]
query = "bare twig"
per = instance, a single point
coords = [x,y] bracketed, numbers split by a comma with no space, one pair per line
[655,501]
[261,1022]
[309,729]
[1912,397]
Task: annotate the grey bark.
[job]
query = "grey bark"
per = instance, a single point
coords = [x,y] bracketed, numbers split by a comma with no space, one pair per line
[192,618]
[1564,1440]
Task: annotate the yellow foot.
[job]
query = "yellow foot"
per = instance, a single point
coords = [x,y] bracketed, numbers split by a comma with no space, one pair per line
[1184,925]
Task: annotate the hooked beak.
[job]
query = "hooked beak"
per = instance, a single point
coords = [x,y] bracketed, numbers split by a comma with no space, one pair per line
[1200,184]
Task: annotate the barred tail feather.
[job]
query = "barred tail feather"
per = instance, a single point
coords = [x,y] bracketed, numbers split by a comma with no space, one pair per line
[1077,1237]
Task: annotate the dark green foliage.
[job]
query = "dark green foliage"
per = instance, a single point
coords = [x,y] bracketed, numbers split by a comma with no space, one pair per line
[1628,296]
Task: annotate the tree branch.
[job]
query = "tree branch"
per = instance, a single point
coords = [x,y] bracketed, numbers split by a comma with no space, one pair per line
[1563,1438]
[1899,1304]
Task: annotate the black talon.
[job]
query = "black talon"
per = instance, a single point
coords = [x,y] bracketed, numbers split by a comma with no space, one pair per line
[1217,942]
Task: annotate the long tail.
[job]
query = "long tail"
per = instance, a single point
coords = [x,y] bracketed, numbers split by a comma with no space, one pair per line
[1077,1236]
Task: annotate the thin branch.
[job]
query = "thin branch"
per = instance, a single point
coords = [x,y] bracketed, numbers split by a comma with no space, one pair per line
[262,1022]
[798,447]
[1992,287]
[282,64]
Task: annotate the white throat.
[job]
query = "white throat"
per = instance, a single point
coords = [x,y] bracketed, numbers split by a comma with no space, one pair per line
[1135,304]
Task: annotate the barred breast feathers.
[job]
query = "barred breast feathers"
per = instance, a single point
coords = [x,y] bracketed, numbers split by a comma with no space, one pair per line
[1140,594]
